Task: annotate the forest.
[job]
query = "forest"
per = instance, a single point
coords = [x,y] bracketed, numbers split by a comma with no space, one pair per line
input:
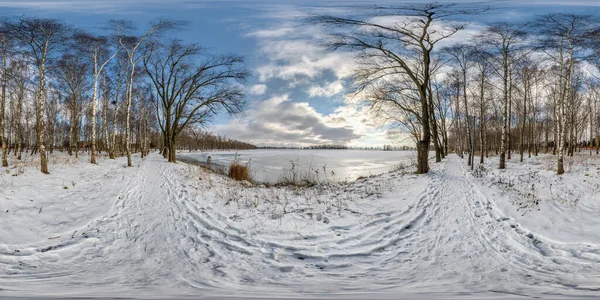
[512,88]
[66,89]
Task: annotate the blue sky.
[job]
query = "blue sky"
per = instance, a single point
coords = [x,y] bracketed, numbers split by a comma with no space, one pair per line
[297,88]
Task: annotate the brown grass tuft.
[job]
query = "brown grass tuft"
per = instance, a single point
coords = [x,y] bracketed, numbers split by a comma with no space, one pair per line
[238,171]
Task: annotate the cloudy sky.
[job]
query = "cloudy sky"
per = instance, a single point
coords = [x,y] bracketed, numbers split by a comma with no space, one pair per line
[296,93]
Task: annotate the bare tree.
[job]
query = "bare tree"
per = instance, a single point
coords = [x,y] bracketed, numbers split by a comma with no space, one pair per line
[190,93]
[71,73]
[563,35]
[399,52]
[461,54]
[502,40]
[121,62]
[19,76]
[131,45]
[44,37]
[4,43]
[97,50]
[480,62]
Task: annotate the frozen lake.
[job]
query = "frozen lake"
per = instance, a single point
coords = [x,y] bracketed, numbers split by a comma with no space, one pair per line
[334,165]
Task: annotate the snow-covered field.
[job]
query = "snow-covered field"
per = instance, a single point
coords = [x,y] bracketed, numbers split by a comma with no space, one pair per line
[270,165]
[175,230]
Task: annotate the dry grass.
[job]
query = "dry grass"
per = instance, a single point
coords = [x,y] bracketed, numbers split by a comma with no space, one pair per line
[239,172]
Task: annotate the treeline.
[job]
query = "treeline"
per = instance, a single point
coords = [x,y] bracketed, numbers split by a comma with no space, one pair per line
[512,87]
[121,91]
[202,141]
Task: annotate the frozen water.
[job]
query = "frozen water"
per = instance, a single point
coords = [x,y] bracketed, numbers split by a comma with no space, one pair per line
[325,165]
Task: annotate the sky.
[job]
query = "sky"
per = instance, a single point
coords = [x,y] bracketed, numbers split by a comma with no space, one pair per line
[297,91]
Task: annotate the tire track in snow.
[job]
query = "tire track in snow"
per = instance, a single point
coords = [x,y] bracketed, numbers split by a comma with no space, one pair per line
[537,261]
[372,253]
[250,260]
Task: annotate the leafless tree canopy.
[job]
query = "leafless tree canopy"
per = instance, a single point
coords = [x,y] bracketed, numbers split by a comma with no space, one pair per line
[395,56]
[192,87]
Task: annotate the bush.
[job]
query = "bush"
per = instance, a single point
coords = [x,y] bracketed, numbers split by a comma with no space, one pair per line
[238,171]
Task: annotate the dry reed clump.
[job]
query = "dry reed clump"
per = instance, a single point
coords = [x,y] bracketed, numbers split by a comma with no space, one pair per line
[238,171]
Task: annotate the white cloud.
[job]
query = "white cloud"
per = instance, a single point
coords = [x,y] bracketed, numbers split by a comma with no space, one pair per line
[271,33]
[258,89]
[299,53]
[328,90]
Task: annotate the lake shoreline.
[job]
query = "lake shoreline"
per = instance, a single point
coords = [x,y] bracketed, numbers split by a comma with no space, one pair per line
[322,165]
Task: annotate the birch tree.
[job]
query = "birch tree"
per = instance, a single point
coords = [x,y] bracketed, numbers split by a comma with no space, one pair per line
[44,37]
[502,40]
[4,44]
[563,35]
[131,45]
[20,76]
[461,55]
[97,50]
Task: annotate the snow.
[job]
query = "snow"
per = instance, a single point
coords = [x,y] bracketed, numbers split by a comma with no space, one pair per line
[175,230]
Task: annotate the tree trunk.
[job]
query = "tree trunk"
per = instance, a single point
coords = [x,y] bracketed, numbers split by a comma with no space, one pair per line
[481,116]
[522,142]
[113,145]
[173,151]
[40,116]
[18,121]
[77,130]
[469,139]
[458,127]
[504,138]
[438,150]
[128,114]
[473,144]
[72,124]
[509,114]
[3,104]
[105,115]
[423,144]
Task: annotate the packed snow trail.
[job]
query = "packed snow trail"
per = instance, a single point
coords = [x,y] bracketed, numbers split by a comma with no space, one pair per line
[170,233]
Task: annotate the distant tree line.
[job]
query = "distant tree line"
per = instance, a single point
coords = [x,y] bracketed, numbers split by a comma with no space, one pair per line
[204,141]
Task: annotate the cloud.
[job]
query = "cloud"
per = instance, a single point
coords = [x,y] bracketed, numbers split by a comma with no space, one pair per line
[293,52]
[271,33]
[258,89]
[292,59]
[280,121]
[328,90]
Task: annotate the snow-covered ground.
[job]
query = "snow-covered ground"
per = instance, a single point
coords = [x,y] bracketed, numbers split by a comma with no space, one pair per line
[175,230]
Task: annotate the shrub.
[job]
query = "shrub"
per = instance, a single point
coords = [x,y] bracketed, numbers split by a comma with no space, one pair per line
[238,171]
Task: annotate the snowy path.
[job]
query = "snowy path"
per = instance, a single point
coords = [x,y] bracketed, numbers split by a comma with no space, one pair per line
[162,238]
